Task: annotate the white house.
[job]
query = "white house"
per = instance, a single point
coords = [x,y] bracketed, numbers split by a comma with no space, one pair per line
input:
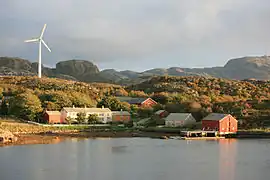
[104,114]
[179,120]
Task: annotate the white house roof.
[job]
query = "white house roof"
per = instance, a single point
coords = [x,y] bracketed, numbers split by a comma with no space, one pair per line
[87,110]
[215,116]
[120,113]
[177,116]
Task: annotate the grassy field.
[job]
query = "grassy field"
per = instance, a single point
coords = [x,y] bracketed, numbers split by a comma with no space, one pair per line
[18,126]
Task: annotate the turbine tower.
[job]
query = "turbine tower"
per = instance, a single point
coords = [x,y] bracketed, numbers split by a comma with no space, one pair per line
[40,40]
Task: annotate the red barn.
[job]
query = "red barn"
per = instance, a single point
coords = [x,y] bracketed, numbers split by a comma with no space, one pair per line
[52,117]
[141,102]
[223,123]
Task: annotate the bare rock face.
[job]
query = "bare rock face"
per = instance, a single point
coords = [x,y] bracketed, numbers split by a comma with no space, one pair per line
[7,137]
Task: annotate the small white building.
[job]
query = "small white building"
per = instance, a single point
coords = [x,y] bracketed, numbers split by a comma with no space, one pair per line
[179,120]
[104,114]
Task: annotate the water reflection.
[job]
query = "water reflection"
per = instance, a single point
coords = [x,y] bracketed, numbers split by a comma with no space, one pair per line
[227,158]
[137,158]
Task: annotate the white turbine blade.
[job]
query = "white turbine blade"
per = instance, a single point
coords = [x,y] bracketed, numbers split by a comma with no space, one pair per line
[46,45]
[31,40]
[42,32]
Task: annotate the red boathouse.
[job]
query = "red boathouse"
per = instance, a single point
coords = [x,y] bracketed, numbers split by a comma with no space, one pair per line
[52,117]
[223,123]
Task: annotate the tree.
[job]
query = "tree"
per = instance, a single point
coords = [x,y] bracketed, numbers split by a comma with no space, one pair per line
[121,92]
[114,104]
[145,112]
[50,106]
[137,94]
[133,109]
[124,106]
[157,107]
[175,108]
[93,119]
[162,98]
[1,92]
[194,106]
[4,108]
[81,116]
[68,120]
[80,99]
[59,98]
[26,106]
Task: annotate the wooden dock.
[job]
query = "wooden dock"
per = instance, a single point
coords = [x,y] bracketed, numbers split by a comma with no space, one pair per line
[199,133]
[202,138]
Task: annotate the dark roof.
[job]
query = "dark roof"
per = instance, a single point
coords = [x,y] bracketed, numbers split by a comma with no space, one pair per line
[132,100]
[178,116]
[215,116]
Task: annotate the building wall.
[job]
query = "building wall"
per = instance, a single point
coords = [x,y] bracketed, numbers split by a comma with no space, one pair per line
[63,116]
[148,103]
[119,117]
[210,125]
[180,123]
[52,119]
[234,124]
[174,123]
[224,125]
[189,121]
[104,116]
[228,124]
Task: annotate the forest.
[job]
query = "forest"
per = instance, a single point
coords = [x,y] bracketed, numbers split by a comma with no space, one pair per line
[248,100]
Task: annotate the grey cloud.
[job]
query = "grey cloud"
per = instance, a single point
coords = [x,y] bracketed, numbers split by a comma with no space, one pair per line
[172,32]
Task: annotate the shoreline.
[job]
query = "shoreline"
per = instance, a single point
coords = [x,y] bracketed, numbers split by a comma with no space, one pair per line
[57,137]
[50,137]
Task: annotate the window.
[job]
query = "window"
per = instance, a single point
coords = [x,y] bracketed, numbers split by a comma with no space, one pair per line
[101,114]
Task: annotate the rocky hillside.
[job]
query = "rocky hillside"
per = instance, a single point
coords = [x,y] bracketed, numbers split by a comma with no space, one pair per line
[197,86]
[82,70]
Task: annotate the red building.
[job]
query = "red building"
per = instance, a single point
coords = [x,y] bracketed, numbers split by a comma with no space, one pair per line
[52,117]
[120,116]
[141,102]
[223,123]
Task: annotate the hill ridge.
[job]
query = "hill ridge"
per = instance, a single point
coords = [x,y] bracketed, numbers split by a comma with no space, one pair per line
[82,70]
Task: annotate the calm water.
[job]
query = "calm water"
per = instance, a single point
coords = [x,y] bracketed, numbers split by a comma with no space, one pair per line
[138,159]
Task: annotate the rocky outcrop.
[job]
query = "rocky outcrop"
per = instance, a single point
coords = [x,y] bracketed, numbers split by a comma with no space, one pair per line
[82,70]
[7,137]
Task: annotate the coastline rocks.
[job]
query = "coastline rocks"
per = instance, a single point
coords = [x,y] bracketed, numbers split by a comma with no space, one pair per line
[7,137]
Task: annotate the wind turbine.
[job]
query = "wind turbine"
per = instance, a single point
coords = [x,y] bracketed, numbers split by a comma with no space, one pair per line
[39,40]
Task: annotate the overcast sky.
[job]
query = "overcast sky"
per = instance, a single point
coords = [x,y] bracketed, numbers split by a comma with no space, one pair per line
[137,34]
